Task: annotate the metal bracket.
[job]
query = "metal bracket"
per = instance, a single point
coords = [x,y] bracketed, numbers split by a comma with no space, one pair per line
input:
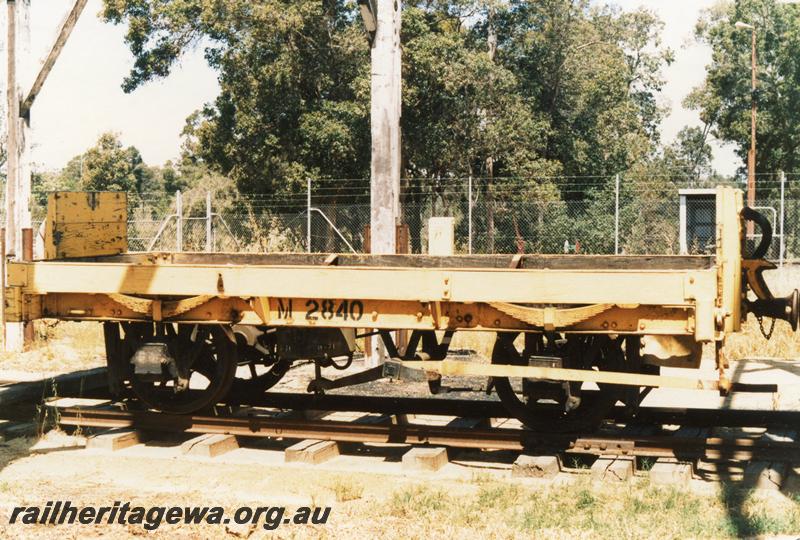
[390,369]
[604,446]
[399,372]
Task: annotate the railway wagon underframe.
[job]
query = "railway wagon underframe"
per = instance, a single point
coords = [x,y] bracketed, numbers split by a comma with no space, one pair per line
[575,333]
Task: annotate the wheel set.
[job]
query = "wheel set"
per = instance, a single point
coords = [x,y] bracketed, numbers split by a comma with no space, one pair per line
[564,406]
[185,368]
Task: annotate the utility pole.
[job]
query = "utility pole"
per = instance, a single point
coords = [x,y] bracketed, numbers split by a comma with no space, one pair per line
[18,179]
[469,214]
[751,154]
[386,110]
[385,124]
[782,249]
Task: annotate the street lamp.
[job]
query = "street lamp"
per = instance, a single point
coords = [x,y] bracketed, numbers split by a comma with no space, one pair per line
[751,155]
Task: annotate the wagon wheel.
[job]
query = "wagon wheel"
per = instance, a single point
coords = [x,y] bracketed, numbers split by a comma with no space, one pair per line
[207,357]
[262,368]
[530,405]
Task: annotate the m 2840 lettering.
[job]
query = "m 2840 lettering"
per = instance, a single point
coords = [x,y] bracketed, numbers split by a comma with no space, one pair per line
[328,309]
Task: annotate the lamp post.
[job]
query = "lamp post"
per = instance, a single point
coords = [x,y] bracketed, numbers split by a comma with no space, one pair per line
[751,155]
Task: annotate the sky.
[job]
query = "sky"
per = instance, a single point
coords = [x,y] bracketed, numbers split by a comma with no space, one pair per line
[687,72]
[83,96]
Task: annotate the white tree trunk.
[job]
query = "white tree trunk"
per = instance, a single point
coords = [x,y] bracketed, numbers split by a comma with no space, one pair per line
[386,138]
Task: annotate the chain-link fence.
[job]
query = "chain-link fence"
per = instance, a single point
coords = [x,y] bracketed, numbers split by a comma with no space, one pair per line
[554,215]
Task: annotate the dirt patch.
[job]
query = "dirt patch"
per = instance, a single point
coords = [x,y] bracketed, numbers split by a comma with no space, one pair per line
[373,505]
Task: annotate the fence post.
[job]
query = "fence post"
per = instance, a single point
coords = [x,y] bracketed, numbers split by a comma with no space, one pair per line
[783,240]
[209,218]
[308,215]
[616,215]
[469,213]
[179,221]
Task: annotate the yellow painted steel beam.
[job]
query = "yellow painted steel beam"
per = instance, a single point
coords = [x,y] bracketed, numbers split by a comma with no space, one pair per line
[647,287]
[729,204]
[459,368]
[339,313]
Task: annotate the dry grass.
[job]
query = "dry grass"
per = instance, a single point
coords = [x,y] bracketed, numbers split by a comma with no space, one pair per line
[750,343]
[513,511]
[346,489]
[59,348]
[785,343]
[480,342]
[374,505]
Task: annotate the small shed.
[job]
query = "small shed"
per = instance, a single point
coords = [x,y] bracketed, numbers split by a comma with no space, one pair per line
[698,230]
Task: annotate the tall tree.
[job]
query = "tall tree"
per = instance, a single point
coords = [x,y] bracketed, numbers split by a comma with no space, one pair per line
[594,73]
[561,81]
[108,166]
[725,98]
[690,155]
[294,102]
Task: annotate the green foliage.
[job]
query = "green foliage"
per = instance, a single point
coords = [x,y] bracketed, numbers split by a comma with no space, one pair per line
[108,166]
[593,73]
[491,88]
[724,100]
[293,102]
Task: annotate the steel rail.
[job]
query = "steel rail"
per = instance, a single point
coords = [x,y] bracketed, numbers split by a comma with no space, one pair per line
[713,448]
[492,408]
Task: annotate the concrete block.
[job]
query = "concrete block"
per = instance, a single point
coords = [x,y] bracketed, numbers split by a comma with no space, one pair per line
[209,445]
[425,459]
[671,472]
[441,236]
[609,469]
[115,439]
[311,451]
[765,475]
[535,466]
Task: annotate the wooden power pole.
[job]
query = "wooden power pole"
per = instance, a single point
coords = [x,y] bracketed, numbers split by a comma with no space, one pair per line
[386,138]
[18,179]
[18,188]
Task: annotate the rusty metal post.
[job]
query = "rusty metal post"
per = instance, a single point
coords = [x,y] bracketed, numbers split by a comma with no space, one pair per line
[209,224]
[751,155]
[3,283]
[27,244]
[27,256]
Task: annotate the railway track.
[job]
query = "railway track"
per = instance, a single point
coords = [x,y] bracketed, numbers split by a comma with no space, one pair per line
[493,408]
[614,440]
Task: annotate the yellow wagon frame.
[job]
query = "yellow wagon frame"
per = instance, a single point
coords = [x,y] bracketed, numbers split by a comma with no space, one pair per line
[695,296]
